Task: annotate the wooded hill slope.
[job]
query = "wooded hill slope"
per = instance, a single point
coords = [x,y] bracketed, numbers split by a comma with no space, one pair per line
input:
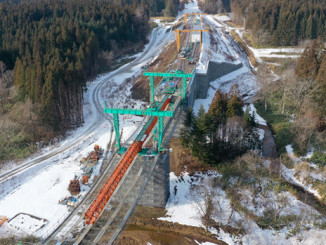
[281,22]
[53,47]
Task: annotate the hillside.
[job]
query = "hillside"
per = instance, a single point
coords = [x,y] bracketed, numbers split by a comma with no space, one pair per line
[52,49]
[281,22]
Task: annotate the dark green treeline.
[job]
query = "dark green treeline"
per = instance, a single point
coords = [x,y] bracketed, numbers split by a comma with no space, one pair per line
[282,22]
[54,46]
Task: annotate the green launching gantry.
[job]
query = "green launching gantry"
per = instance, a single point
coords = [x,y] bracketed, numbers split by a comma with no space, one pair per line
[148,112]
[151,76]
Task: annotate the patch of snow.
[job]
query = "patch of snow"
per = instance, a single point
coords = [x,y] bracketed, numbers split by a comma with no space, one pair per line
[26,223]
[181,208]
[187,199]
[222,17]
[261,133]
[242,77]
[290,174]
[259,119]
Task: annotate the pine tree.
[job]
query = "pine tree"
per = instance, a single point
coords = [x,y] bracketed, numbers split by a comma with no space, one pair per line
[319,94]
[218,107]
[234,107]
[308,64]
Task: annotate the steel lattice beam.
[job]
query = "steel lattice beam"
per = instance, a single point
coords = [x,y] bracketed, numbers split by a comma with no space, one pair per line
[162,74]
[116,111]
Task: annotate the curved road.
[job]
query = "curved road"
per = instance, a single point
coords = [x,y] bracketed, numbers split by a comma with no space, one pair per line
[101,116]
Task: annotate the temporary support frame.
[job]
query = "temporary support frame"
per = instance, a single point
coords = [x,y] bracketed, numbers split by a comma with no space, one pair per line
[148,112]
[177,37]
[184,77]
[185,16]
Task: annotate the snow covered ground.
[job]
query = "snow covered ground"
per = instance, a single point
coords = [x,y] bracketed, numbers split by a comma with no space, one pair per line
[224,50]
[186,204]
[303,171]
[278,52]
[187,193]
[216,46]
[37,191]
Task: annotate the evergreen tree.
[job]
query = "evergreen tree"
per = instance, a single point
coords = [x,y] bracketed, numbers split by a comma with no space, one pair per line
[319,95]
[234,107]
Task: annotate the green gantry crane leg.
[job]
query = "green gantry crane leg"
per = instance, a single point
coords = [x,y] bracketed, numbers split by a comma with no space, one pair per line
[184,89]
[151,84]
[116,128]
[160,132]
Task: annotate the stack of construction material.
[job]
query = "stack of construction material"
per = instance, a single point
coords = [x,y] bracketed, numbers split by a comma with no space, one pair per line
[74,186]
[85,179]
[93,156]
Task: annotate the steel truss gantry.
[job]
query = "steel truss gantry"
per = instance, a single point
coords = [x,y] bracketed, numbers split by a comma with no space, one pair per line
[184,77]
[148,112]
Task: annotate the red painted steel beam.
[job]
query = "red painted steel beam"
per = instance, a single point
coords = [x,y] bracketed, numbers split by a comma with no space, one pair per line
[106,192]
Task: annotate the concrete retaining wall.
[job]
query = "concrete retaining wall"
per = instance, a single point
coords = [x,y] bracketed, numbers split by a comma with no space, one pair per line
[198,88]
[157,191]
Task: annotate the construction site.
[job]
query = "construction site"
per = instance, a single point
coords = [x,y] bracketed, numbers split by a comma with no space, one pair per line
[131,174]
[148,155]
[140,172]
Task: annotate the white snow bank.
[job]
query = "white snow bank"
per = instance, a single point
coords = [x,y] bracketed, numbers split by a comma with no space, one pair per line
[289,174]
[181,208]
[252,110]
[222,17]
[242,77]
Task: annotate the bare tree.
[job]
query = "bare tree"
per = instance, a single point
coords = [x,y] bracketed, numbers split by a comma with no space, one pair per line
[206,209]
[295,92]
[265,79]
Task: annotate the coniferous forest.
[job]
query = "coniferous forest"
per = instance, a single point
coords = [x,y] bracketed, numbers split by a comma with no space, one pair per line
[54,46]
[223,133]
[48,50]
[281,22]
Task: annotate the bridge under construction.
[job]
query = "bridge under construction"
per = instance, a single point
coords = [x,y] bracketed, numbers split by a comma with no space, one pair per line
[144,164]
